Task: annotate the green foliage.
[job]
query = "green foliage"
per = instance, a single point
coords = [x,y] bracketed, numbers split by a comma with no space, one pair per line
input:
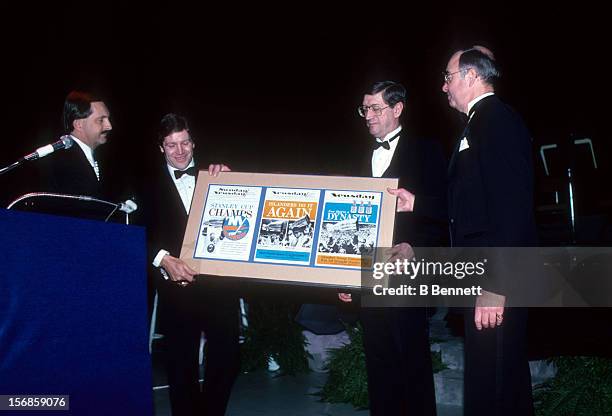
[347,381]
[348,378]
[272,332]
[582,387]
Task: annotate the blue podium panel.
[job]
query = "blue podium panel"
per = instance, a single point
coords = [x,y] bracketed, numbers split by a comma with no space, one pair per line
[73,313]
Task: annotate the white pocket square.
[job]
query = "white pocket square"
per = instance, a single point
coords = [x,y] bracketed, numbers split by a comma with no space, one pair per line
[464,144]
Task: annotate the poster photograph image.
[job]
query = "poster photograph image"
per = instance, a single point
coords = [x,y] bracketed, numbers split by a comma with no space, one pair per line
[303,229]
[286,231]
[228,222]
[349,230]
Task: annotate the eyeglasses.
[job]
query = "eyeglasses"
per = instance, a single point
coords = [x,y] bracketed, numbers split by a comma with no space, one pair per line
[448,76]
[363,109]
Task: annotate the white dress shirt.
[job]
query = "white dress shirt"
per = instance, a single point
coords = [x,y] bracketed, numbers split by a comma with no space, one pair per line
[475,100]
[381,158]
[185,185]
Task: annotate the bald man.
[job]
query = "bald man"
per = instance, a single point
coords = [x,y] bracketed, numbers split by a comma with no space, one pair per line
[491,205]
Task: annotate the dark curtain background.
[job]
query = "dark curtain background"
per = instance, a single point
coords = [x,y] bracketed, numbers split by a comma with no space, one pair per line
[276,90]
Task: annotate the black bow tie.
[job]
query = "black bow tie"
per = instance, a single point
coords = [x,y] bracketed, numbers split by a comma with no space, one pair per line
[189,171]
[386,144]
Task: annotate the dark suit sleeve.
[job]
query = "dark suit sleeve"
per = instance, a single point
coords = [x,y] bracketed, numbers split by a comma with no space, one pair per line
[431,203]
[152,216]
[148,219]
[507,175]
[422,171]
[165,217]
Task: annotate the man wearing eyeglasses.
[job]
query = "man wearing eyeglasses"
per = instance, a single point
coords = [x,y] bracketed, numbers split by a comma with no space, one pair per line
[491,205]
[396,343]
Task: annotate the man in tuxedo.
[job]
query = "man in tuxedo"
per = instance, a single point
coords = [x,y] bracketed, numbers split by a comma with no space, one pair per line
[396,342]
[76,170]
[490,205]
[189,306]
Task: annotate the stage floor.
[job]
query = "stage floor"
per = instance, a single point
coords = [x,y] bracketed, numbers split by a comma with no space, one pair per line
[264,393]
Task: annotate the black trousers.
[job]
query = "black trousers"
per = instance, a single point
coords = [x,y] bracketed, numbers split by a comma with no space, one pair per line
[497,380]
[398,361]
[200,307]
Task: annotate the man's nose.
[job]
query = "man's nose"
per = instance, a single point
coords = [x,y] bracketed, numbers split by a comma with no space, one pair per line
[445,87]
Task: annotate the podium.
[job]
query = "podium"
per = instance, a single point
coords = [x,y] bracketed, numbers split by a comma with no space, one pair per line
[73,313]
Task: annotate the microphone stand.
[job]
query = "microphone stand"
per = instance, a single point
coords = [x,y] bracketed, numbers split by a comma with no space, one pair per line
[12,166]
[31,156]
[74,197]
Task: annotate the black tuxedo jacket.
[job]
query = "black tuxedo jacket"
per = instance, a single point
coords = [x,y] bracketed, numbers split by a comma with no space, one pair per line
[69,172]
[491,183]
[421,168]
[491,190]
[166,221]
[166,218]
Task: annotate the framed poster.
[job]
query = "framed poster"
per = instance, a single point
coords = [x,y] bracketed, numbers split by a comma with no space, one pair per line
[307,229]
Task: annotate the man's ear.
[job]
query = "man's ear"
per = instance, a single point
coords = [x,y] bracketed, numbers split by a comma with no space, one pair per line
[161,149]
[397,109]
[78,124]
[471,76]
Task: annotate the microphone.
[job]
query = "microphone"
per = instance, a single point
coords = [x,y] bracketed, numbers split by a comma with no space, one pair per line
[65,142]
[128,206]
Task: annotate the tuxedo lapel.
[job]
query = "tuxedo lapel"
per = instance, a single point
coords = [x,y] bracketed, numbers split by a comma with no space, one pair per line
[83,166]
[464,134]
[366,166]
[401,157]
[451,164]
[173,205]
[173,201]
[73,174]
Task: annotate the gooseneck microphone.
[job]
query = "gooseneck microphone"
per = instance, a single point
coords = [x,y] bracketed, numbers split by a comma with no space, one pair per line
[65,142]
[128,206]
